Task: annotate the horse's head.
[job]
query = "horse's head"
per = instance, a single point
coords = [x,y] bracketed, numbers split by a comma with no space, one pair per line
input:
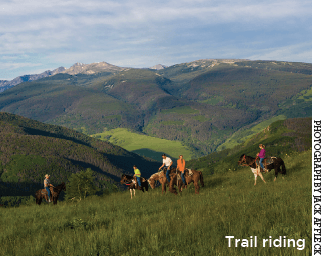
[63,186]
[151,182]
[246,160]
[242,160]
[125,179]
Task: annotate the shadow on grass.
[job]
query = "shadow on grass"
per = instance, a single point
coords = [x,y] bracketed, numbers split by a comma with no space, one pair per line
[153,154]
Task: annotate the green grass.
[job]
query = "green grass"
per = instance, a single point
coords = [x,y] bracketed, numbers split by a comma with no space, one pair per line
[213,101]
[187,224]
[144,145]
[242,136]
[200,118]
[305,95]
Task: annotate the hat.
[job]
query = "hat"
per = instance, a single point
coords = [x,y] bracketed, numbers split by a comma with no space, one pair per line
[47,175]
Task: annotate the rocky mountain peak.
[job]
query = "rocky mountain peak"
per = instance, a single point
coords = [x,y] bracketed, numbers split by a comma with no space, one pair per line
[158,67]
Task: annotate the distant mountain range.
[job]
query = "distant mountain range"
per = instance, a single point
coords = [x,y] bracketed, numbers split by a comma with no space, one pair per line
[200,103]
[5,84]
[77,68]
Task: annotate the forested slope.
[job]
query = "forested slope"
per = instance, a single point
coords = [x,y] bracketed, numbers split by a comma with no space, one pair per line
[201,103]
[30,149]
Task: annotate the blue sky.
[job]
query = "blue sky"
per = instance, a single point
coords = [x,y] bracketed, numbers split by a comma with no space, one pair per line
[40,35]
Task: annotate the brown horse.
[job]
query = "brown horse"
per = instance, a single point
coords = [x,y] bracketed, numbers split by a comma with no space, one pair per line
[161,177]
[190,176]
[55,192]
[269,163]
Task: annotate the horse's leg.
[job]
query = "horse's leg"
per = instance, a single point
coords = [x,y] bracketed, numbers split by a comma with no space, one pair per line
[276,173]
[180,186]
[196,187]
[163,187]
[187,182]
[38,199]
[261,177]
[172,189]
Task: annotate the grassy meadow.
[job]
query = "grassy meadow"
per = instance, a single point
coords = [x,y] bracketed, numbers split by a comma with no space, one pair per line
[148,146]
[186,224]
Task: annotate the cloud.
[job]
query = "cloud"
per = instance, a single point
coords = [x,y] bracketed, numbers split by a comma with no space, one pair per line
[293,53]
[79,30]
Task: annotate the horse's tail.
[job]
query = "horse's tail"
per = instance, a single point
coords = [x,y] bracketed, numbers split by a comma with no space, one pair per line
[283,167]
[202,179]
[38,197]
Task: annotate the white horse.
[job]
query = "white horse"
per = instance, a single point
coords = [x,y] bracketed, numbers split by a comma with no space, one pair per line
[250,161]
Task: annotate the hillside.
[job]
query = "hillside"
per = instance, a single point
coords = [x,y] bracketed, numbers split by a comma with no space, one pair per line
[201,103]
[281,139]
[30,149]
[152,224]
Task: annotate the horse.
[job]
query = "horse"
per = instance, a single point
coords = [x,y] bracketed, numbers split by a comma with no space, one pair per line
[55,192]
[127,180]
[275,163]
[190,176]
[153,180]
[161,177]
[132,187]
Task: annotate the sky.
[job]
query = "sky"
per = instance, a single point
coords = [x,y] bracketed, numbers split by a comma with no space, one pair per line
[40,35]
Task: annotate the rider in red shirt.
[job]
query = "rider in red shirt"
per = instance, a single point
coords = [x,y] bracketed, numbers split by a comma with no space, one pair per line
[261,154]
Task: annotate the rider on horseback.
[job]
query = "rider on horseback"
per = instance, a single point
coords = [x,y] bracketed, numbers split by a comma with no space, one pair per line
[261,155]
[137,175]
[181,164]
[167,162]
[47,185]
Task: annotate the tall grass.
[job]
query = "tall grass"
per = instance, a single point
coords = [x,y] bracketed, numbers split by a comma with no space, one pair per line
[156,224]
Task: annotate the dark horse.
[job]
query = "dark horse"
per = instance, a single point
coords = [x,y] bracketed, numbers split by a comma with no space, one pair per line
[55,192]
[128,180]
[269,163]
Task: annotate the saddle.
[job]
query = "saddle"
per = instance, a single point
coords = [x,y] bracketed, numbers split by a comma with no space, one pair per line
[45,194]
[190,173]
[266,161]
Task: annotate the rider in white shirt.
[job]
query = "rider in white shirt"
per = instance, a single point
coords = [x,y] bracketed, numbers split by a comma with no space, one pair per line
[167,162]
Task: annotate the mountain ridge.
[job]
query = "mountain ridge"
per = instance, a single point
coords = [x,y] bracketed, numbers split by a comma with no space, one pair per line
[201,103]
